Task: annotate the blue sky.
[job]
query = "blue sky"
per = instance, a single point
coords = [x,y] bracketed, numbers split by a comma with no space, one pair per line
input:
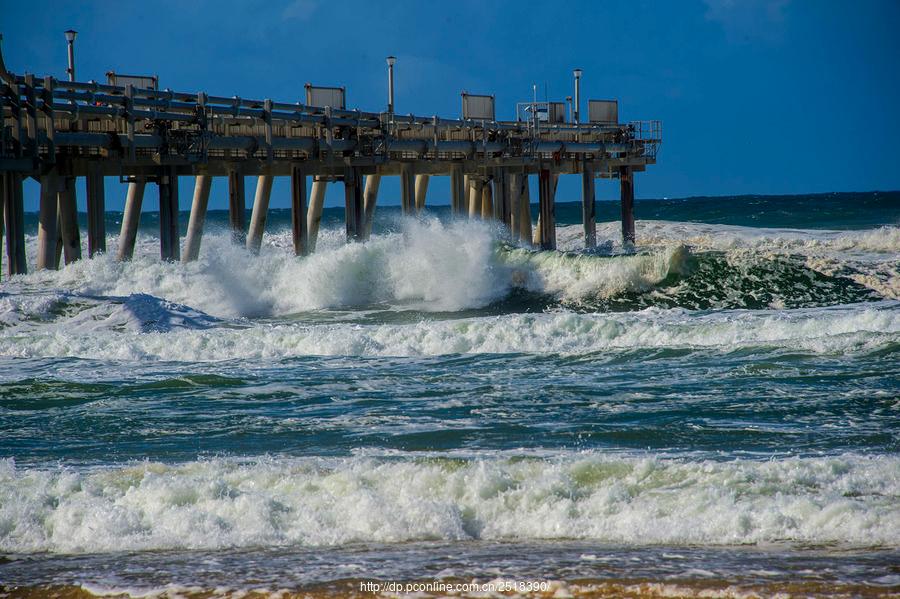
[756,96]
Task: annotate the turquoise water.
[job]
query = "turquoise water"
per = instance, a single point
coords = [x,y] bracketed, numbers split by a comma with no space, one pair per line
[720,407]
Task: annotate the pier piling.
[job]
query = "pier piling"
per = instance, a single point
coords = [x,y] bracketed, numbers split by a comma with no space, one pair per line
[626,188]
[421,191]
[260,212]
[131,218]
[457,190]
[68,221]
[314,218]
[199,204]
[407,189]
[13,219]
[370,199]
[169,249]
[588,206]
[237,206]
[353,204]
[96,211]
[547,224]
[303,241]
[47,217]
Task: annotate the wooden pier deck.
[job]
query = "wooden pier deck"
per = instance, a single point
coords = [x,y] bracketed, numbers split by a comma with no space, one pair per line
[55,131]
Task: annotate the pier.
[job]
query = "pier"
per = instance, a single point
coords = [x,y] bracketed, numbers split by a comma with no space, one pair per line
[55,131]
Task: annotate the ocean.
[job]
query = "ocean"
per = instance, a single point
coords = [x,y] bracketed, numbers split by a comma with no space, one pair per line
[439,412]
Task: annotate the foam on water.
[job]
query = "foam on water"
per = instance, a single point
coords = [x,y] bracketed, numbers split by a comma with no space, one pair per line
[826,330]
[850,500]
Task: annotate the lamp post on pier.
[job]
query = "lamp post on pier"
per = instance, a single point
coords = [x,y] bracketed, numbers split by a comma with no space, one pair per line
[70,41]
[390,62]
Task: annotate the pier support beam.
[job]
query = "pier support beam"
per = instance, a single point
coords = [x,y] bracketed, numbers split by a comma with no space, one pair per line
[353,204]
[501,210]
[457,190]
[588,207]
[47,220]
[299,217]
[13,218]
[68,221]
[407,189]
[626,187]
[314,216]
[131,218]
[487,200]
[169,249]
[370,198]
[421,191]
[237,206]
[202,185]
[475,189]
[260,212]
[96,211]
[515,212]
[525,211]
[547,225]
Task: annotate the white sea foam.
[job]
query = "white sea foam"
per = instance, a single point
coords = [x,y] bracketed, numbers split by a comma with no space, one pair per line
[823,330]
[851,500]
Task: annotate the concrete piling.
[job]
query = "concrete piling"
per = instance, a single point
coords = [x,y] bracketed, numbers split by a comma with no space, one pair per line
[457,190]
[314,217]
[421,191]
[525,226]
[476,186]
[547,221]
[260,212]
[47,216]
[169,249]
[588,206]
[626,188]
[237,206]
[68,221]
[370,199]
[487,200]
[353,204]
[13,219]
[131,218]
[299,217]
[96,211]
[407,189]
[199,204]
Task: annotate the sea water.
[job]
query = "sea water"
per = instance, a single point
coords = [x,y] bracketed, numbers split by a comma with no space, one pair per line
[714,414]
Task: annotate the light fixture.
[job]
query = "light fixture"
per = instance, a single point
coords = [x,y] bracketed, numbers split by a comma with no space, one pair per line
[70,35]
[390,62]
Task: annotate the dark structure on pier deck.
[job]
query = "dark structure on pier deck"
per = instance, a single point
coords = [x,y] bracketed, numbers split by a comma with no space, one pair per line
[55,131]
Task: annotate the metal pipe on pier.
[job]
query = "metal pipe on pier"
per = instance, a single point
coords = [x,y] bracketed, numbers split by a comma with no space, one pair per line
[260,212]
[131,218]
[202,186]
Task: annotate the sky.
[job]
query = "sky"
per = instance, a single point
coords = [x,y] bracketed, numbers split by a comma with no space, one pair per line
[755,96]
